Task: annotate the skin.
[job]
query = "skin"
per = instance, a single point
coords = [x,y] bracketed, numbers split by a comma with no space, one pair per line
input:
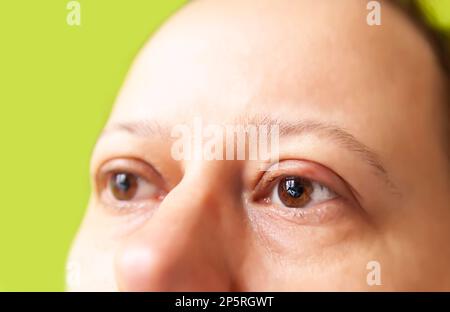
[291,61]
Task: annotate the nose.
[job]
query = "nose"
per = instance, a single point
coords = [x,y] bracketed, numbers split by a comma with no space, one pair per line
[193,242]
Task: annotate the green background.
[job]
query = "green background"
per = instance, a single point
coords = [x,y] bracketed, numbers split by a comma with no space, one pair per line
[57,84]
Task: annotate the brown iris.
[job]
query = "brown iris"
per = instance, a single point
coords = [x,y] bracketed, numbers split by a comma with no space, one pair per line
[294,191]
[123,185]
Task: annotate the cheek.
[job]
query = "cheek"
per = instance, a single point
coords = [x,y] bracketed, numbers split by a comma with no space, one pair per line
[329,270]
[332,257]
[109,226]
[90,264]
[293,241]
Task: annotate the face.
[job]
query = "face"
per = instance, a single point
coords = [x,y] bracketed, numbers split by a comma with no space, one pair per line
[357,199]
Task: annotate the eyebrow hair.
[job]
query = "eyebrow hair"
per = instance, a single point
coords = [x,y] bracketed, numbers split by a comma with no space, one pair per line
[328,131]
[144,128]
[337,134]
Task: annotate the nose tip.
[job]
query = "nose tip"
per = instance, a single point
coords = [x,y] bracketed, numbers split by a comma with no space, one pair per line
[144,268]
[139,269]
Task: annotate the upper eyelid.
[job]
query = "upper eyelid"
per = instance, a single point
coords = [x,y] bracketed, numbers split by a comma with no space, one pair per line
[119,145]
[313,173]
[145,170]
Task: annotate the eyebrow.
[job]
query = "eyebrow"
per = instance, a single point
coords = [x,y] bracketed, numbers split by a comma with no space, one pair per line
[337,134]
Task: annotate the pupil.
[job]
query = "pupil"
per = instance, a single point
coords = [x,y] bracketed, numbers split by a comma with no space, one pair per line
[294,188]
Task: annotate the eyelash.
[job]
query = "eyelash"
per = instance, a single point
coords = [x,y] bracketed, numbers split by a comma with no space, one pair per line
[144,175]
[337,196]
[264,193]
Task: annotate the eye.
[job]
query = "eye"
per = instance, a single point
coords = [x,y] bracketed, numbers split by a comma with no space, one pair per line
[299,192]
[129,183]
[126,187]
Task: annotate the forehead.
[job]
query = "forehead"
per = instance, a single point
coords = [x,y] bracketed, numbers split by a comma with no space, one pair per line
[219,59]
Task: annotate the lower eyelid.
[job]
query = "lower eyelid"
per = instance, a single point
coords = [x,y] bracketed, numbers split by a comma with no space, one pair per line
[107,200]
[318,214]
[124,207]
